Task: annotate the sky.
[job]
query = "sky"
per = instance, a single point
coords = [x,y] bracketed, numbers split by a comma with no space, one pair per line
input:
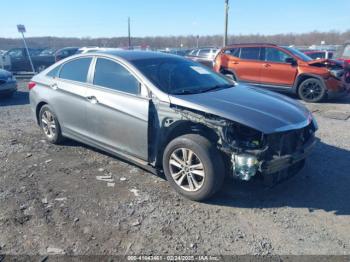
[108,18]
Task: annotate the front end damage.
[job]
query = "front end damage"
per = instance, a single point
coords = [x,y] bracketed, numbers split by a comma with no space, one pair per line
[338,80]
[249,152]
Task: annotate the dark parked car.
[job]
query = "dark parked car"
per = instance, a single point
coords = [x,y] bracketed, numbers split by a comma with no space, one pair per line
[41,58]
[65,52]
[8,83]
[168,113]
[205,55]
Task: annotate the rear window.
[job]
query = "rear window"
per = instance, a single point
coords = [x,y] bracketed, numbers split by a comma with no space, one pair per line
[204,52]
[76,70]
[250,53]
[54,72]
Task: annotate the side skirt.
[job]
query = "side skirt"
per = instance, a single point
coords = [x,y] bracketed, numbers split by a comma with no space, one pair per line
[122,155]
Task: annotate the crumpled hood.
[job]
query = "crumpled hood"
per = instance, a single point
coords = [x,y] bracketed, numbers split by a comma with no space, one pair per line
[326,62]
[4,74]
[262,110]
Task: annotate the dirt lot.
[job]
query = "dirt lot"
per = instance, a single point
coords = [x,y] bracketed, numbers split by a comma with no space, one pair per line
[51,201]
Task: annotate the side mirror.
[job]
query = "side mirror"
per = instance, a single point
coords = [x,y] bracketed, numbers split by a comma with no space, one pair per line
[291,61]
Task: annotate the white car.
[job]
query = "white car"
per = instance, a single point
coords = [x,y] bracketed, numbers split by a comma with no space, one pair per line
[5,61]
[91,49]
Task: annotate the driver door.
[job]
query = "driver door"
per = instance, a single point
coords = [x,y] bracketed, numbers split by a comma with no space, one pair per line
[275,69]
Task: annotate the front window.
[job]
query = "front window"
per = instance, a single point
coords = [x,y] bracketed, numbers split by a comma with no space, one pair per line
[114,76]
[179,76]
[275,55]
[299,54]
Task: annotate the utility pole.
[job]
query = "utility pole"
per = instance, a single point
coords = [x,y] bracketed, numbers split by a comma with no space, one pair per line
[197,41]
[226,22]
[129,36]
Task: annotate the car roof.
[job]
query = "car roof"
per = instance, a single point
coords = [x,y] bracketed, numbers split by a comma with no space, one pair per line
[251,44]
[131,55]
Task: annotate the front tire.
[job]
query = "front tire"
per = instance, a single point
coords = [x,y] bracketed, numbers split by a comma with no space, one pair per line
[312,90]
[50,125]
[193,167]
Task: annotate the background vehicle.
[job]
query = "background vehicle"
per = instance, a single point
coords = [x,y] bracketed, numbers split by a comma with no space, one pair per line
[282,69]
[205,55]
[41,58]
[84,50]
[65,52]
[175,51]
[166,112]
[343,53]
[8,83]
[319,54]
[5,61]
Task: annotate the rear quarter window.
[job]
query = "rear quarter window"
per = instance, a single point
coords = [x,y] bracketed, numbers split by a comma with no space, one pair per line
[76,70]
[53,72]
[232,52]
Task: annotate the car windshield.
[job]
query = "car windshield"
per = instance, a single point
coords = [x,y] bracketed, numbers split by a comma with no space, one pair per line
[299,54]
[179,76]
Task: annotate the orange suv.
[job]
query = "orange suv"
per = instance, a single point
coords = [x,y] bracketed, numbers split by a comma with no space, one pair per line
[282,69]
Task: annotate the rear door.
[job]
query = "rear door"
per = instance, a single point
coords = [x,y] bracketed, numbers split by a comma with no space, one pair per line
[19,60]
[246,64]
[69,99]
[117,115]
[275,69]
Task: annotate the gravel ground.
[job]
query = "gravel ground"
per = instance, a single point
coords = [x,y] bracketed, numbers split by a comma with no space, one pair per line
[51,201]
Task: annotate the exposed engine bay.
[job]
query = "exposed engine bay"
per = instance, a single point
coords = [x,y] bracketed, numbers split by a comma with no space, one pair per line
[249,151]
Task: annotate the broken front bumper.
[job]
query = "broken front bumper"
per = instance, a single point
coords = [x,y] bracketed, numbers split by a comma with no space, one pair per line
[286,161]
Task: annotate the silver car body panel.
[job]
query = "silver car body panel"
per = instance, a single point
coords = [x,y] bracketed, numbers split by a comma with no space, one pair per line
[136,127]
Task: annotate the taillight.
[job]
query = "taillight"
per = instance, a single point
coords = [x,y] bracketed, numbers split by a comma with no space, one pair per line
[31,85]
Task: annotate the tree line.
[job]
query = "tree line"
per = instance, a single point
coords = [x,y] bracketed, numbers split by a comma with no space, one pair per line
[159,42]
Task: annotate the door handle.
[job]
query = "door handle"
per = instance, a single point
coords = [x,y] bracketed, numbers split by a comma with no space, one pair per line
[266,65]
[235,62]
[92,99]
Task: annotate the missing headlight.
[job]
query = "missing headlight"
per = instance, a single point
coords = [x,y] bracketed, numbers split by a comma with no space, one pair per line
[243,137]
[244,166]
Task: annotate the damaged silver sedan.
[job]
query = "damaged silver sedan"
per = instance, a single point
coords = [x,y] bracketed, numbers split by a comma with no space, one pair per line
[170,114]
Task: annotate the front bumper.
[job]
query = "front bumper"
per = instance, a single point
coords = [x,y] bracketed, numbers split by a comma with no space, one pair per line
[337,88]
[284,162]
[8,87]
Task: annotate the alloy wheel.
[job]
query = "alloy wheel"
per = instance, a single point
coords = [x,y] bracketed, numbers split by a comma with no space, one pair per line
[48,124]
[311,90]
[186,169]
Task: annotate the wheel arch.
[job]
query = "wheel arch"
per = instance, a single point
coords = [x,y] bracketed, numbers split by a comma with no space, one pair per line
[302,77]
[184,127]
[37,110]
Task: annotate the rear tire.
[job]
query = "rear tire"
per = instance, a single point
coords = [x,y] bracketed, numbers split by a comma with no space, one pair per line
[312,90]
[193,167]
[50,125]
